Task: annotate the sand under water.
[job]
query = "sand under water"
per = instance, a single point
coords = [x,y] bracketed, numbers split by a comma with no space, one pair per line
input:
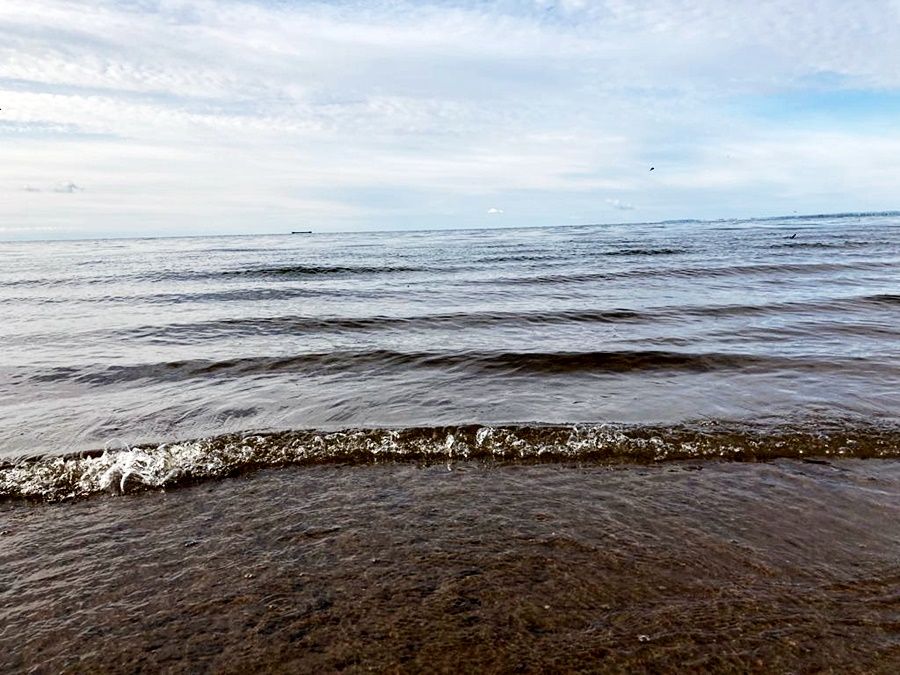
[465,566]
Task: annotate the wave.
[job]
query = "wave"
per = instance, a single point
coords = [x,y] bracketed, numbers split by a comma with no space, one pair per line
[645,251]
[818,244]
[238,295]
[697,272]
[295,271]
[883,299]
[167,465]
[527,257]
[470,361]
[517,274]
[322,270]
[293,325]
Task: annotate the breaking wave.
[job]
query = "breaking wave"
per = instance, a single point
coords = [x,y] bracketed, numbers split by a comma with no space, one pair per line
[58,478]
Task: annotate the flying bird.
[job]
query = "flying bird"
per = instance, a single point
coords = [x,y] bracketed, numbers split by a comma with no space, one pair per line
[652,167]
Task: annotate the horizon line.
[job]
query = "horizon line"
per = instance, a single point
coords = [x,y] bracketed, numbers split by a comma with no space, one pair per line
[673,221]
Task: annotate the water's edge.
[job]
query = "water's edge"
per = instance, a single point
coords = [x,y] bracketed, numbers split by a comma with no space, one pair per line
[154,466]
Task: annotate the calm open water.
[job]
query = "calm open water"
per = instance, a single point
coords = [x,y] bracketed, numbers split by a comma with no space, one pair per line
[480,450]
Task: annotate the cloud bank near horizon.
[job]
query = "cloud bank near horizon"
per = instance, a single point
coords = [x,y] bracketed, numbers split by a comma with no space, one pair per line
[185,117]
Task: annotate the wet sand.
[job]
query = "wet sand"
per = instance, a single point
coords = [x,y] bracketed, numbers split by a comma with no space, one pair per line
[468,567]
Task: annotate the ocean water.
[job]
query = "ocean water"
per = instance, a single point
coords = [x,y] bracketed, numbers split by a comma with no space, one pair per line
[737,330]
[657,446]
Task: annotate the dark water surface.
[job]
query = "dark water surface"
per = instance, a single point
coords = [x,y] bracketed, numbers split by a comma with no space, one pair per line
[599,448]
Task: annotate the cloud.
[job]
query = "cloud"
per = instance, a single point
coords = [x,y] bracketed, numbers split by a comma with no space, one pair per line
[493,210]
[68,188]
[620,205]
[248,115]
[61,188]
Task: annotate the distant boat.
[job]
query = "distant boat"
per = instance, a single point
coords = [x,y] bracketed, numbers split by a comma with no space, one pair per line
[302,232]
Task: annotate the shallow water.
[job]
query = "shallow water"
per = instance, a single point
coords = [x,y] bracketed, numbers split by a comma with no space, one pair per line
[468,567]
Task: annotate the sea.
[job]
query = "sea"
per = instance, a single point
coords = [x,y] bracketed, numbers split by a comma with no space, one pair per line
[658,446]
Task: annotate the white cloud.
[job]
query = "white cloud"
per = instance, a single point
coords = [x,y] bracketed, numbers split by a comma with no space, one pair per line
[620,205]
[494,211]
[183,112]
[68,188]
[61,188]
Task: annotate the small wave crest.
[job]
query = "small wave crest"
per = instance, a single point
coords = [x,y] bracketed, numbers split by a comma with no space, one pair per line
[57,478]
[638,251]
[310,270]
[883,299]
[470,361]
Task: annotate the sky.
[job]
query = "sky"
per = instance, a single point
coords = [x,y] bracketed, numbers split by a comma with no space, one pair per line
[177,117]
